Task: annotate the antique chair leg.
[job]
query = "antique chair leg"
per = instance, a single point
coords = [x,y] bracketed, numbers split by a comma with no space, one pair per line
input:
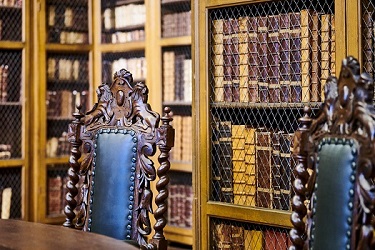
[74,139]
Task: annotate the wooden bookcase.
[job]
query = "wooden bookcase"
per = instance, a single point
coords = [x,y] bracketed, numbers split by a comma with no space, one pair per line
[14,108]
[253,74]
[78,45]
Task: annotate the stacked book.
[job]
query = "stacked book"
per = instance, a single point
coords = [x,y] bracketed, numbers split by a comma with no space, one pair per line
[176,24]
[273,59]
[67,69]
[180,205]
[183,148]
[4,72]
[5,202]
[63,103]
[124,16]
[58,146]
[136,65]
[251,167]
[5,151]
[177,77]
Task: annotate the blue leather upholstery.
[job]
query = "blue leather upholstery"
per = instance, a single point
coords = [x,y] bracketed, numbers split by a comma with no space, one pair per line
[333,194]
[112,197]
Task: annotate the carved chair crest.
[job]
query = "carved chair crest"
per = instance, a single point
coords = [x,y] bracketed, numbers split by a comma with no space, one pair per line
[122,108]
[347,117]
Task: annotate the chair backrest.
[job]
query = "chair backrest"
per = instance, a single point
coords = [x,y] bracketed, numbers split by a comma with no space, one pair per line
[334,199]
[110,167]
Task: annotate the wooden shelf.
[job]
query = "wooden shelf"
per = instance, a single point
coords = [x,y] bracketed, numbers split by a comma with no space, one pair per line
[178,234]
[6,45]
[58,160]
[181,166]
[175,41]
[68,48]
[5,163]
[265,105]
[123,47]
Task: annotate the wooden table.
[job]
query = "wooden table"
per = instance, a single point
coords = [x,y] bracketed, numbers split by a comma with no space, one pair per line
[17,234]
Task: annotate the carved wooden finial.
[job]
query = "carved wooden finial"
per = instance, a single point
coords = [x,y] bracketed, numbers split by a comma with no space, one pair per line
[167,118]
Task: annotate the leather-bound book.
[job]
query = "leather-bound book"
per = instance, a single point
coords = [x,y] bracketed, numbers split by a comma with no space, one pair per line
[262,59]
[275,170]
[226,165]
[285,170]
[254,239]
[273,58]
[306,52]
[253,60]
[243,51]
[238,238]
[316,59]
[223,236]
[325,51]
[263,161]
[215,163]
[4,83]
[333,45]
[250,166]
[367,42]
[54,194]
[284,63]
[239,167]
[227,56]
[295,58]
[235,57]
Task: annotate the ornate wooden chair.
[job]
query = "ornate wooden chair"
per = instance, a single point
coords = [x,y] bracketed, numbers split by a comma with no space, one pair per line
[109,186]
[334,200]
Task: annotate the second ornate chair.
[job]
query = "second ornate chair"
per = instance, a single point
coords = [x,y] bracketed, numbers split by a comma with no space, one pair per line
[109,185]
[334,200]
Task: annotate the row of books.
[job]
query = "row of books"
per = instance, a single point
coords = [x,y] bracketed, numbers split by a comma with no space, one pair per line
[251,166]
[227,236]
[11,3]
[63,103]
[124,16]
[4,72]
[5,151]
[176,24]
[180,205]
[183,147]
[124,36]
[177,77]
[136,65]
[58,146]
[277,58]
[56,194]
[67,69]
[5,202]
[67,17]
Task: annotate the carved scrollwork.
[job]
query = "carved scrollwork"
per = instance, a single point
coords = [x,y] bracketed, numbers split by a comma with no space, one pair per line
[347,112]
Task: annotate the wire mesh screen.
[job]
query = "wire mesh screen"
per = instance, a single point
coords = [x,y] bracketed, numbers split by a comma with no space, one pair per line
[57,176]
[11,193]
[177,94]
[368,36]
[67,21]
[176,18]
[10,105]
[227,234]
[180,199]
[134,61]
[67,86]
[268,60]
[123,21]
[11,20]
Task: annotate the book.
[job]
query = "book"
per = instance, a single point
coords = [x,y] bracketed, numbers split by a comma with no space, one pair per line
[275,170]
[262,59]
[263,164]
[215,163]
[169,76]
[250,166]
[254,239]
[295,58]
[237,238]
[4,83]
[275,240]
[285,170]
[306,52]
[273,55]
[239,166]
[315,87]
[6,202]
[243,51]
[54,194]
[284,64]
[333,45]
[253,86]
[226,163]
[325,50]
[223,236]
[218,59]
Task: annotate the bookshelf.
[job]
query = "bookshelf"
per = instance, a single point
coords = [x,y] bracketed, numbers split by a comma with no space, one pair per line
[14,108]
[78,45]
[256,65]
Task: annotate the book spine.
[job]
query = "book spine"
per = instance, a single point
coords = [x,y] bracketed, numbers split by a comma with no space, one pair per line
[226,155]
[295,58]
[273,55]
[238,238]
[239,167]
[333,45]
[315,87]
[222,236]
[276,174]
[263,160]
[215,169]
[4,83]
[306,52]
[325,50]
[218,60]
[250,166]
[262,59]
[243,51]
[285,170]
[284,64]
[54,194]
[253,86]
